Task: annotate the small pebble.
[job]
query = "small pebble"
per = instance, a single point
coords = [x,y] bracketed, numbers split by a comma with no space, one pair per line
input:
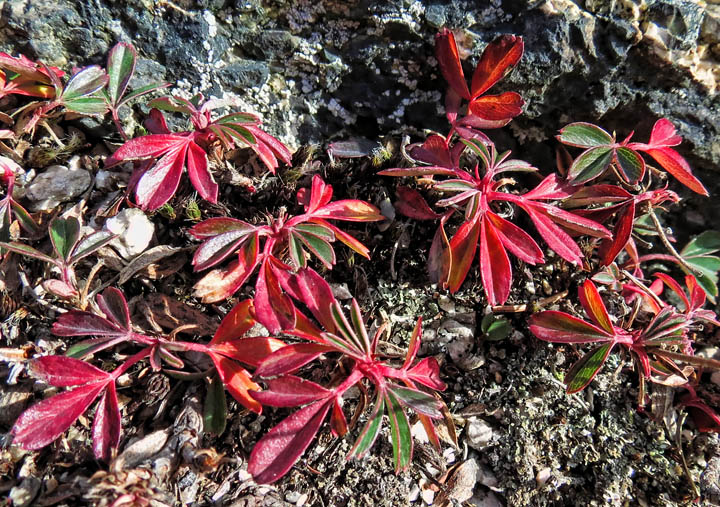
[134,230]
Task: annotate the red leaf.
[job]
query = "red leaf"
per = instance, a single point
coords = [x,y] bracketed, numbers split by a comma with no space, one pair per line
[676,165]
[496,62]
[290,358]
[411,204]
[338,422]
[273,309]
[151,146]
[557,239]
[345,238]
[200,177]
[220,284]
[217,248]
[561,327]
[63,371]
[427,373]
[314,292]
[236,323]
[352,210]
[663,134]
[160,183]
[291,391]
[251,350]
[113,304]
[320,194]
[449,61]
[594,306]
[268,148]
[497,107]
[516,240]
[217,226]
[107,425]
[462,248]
[495,266]
[277,451]
[675,287]
[414,344]
[77,323]
[156,123]
[434,151]
[47,420]
[237,381]
[621,234]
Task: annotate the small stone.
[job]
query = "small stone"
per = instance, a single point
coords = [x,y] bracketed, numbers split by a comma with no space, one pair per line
[428,495]
[479,433]
[134,230]
[543,476]
[487,477]
[414,493]
[341,291]
[446,304]
[56,184]
[485,499]
[25,492]
[292,496]
[715,378]
[302,500]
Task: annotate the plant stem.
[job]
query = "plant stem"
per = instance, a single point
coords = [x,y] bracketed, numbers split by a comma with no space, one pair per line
[683,263]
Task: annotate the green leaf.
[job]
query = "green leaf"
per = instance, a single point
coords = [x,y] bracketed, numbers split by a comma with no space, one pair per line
[479,148]
[359,326]
[64,234]
[83,83]
[120,68]
[170,104]
[85,348]
[697,253]
[28,251]
[215,410]
[318,246]
[419,401]
[297,254]
[238,118]
[370,431]
[630,164]
[590,164]
[707,277]
[495,328]
[26,221]
[583,371]
[316,229]
[143,90]
[704,244]
[343,327]
[399,432]
[239,133]
[584,135]
[87,105]
[455,186]
[91,244]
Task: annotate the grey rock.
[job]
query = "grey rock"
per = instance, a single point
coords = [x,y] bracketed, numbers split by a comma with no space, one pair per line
[56,184]
[315,70]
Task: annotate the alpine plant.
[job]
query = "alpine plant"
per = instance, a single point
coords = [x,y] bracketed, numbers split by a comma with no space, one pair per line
[397,387]
[263,247]
[480,197]
[165,155]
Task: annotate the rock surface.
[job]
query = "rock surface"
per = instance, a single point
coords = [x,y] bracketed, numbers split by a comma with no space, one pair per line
[57,184]
[322,70]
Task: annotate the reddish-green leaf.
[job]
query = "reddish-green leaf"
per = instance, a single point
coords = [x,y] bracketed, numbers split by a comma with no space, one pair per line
[561,327]
[584,135]
[590,164]
[370,431]
[420,402]
[583,371]
[215,407]
[120,68]
[64,234]
[399,432]
[630,164]
[497,107]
